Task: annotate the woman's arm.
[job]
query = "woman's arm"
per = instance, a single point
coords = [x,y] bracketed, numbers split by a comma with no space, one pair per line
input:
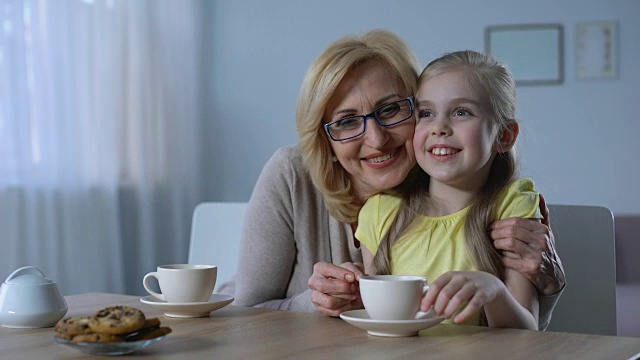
[268,249]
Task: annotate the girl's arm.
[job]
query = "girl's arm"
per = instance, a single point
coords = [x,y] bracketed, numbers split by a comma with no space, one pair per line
[521,297]
[510,305]
[518,307]
[367,260]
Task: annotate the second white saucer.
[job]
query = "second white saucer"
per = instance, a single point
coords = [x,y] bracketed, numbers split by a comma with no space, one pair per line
[389,328]
[188,310]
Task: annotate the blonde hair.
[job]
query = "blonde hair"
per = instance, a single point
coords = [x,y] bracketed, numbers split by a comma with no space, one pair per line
[320,83]
[498,96]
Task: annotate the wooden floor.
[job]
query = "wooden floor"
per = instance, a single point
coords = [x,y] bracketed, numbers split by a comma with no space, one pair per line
[628,309]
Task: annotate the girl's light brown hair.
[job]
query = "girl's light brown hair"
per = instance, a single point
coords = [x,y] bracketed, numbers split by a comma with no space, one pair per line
[498,96]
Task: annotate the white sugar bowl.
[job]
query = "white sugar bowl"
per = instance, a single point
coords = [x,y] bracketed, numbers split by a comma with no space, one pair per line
[29,300]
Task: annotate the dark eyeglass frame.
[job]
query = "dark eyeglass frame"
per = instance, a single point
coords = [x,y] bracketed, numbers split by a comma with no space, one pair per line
[371,115]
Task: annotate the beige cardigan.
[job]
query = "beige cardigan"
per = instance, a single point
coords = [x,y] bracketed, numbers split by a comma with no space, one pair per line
[287,230]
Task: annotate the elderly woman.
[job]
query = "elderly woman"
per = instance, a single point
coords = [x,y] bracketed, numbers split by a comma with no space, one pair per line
[303,211]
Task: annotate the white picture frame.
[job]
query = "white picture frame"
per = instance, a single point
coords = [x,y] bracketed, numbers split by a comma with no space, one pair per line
[533,52]
[596,50]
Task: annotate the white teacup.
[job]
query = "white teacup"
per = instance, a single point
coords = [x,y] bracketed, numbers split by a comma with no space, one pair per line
[393,297]
[183,283]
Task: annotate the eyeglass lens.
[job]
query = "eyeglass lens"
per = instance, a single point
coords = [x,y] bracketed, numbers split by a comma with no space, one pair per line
[386,115]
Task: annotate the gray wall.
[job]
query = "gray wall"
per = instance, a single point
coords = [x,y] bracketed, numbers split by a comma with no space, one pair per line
[579,140]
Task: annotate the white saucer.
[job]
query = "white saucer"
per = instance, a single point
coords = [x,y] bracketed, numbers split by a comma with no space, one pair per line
[390,328]
[188,310]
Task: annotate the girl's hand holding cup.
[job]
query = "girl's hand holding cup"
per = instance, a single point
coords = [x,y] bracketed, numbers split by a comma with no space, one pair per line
[463,291]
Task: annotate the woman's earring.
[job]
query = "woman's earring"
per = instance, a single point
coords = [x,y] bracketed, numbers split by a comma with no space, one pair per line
[334,159]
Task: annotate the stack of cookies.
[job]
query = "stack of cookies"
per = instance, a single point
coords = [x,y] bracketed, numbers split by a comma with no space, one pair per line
[111,324]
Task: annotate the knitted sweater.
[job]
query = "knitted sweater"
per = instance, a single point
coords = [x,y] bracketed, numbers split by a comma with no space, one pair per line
[287,230]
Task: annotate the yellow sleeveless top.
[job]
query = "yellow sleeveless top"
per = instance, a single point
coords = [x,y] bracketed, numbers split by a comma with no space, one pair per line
[432,246]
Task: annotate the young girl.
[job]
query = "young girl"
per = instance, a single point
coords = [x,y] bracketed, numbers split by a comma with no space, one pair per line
[436,224]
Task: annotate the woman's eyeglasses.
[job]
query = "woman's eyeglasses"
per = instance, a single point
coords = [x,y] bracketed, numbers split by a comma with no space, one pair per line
[386,115]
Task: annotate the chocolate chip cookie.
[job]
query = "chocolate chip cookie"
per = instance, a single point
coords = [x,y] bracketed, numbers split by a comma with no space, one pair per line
[70,327]
[117,320]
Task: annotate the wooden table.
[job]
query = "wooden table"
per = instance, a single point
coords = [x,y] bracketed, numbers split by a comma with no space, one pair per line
[247,333]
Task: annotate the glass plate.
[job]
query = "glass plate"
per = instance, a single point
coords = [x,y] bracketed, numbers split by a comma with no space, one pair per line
[114,348]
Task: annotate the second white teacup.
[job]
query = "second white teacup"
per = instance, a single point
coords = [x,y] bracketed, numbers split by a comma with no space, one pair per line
[183,283]
[393,297]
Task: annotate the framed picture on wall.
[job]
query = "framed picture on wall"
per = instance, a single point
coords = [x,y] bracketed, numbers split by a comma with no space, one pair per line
[533,52]
[596,50]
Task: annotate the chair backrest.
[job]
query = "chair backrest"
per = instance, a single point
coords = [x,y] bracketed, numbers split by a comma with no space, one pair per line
[215,237]
[585,241]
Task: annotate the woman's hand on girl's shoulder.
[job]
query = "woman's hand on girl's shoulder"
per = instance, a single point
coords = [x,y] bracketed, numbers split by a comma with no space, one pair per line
[529,248]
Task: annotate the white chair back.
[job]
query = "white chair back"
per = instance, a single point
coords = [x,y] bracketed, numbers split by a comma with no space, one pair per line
[215,237]
[585,241]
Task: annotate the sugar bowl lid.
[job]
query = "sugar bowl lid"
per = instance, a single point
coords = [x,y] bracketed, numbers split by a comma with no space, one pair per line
[27,275]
